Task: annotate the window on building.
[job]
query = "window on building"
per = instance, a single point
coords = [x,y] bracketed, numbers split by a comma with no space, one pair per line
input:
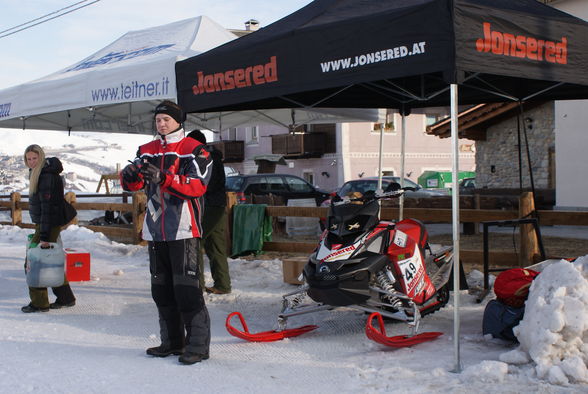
[466,147]
[433,118]
[232,134]
[388,125]
[308,177]
[253,134]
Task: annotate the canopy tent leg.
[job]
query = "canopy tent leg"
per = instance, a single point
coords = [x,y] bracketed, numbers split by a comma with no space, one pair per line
[455,219]
[402,171]
[381,151]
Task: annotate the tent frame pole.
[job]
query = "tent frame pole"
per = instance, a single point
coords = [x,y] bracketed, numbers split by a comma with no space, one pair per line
[402,161]
[380,154]
[456,226]
[381,150]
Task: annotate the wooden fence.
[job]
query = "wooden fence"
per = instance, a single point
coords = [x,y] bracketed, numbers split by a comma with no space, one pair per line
[125,233]
[529,251]
[132,233]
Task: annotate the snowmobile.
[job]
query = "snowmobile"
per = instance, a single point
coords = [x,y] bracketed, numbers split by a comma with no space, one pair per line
[380,267]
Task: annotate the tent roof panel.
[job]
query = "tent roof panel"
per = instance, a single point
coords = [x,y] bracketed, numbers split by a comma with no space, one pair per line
[117,87]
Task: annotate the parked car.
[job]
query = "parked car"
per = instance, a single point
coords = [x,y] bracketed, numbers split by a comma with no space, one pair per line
[287,186]
[467,184]
[363,185]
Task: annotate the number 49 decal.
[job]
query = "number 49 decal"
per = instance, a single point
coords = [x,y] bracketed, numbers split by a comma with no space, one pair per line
[409,271]
[412,270]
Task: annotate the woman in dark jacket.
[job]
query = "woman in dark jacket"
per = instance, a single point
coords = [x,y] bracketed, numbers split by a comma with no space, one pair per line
[46,207]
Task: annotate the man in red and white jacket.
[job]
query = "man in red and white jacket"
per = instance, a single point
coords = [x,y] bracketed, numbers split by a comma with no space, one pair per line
[174,172]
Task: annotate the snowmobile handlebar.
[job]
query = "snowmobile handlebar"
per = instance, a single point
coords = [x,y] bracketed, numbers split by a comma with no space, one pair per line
[393,193]
[371,195]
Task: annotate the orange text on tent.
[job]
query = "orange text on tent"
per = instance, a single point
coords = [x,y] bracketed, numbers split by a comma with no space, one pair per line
[238,78]
[521,46]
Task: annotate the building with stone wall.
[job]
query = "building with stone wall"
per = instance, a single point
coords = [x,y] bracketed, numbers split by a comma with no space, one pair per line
[498,129]
[497,157]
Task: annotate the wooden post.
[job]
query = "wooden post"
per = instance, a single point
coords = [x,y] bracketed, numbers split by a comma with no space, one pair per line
[529,244]
[15,209]
[231,201]
[471,228]
[105,179]
[139,202]
[477,205]
[100,184]
[70,197]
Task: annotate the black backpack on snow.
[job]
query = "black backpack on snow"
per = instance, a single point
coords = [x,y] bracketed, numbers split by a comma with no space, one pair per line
[499,320]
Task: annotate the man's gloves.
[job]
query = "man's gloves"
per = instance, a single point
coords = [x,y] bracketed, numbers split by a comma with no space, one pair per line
[152,174]
[131,173]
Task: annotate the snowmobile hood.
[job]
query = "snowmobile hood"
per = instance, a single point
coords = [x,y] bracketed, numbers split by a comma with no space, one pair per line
[351,219]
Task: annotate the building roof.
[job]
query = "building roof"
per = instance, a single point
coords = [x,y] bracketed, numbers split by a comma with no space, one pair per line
[474,121]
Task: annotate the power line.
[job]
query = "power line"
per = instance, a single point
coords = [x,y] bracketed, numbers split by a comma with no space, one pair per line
[28,25]
[44,16]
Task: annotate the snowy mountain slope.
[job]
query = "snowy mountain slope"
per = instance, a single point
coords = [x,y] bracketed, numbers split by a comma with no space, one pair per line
[85,156]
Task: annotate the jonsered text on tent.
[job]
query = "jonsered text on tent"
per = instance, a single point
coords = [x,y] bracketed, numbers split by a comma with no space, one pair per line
[237,78]
[522,46]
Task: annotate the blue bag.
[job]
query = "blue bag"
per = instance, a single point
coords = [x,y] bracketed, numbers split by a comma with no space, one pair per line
[45,267]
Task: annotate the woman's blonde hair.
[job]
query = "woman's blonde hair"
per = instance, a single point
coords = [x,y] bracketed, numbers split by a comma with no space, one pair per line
[36,171]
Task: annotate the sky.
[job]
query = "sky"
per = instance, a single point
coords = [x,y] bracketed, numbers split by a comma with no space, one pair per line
[48,47]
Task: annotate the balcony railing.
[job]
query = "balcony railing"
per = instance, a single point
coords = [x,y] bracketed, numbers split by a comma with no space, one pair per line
[233,151]
[297,146]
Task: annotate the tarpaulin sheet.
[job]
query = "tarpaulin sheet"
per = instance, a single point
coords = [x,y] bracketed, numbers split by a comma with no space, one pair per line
[251,228]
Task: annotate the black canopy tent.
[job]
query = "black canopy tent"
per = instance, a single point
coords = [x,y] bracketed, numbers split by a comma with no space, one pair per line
[396,54]
[393,53]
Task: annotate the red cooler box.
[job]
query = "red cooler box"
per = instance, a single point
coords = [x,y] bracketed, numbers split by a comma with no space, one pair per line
[77,265]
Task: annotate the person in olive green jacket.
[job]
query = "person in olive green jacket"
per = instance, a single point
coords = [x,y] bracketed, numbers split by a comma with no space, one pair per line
[214,223]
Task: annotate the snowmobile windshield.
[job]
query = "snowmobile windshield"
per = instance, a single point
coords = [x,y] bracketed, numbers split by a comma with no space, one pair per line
[351,219]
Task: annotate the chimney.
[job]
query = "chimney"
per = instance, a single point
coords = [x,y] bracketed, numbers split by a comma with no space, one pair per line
[252,25]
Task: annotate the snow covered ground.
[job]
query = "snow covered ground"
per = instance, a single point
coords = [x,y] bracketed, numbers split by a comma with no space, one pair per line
[99,345]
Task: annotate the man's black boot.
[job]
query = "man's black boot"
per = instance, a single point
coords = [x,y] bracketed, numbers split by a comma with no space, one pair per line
[164,351]
[192,358]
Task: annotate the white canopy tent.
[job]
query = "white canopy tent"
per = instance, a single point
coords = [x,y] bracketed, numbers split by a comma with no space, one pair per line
[116,88]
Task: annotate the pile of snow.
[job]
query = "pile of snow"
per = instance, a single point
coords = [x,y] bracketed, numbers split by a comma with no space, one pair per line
[554,332]
[487,371]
